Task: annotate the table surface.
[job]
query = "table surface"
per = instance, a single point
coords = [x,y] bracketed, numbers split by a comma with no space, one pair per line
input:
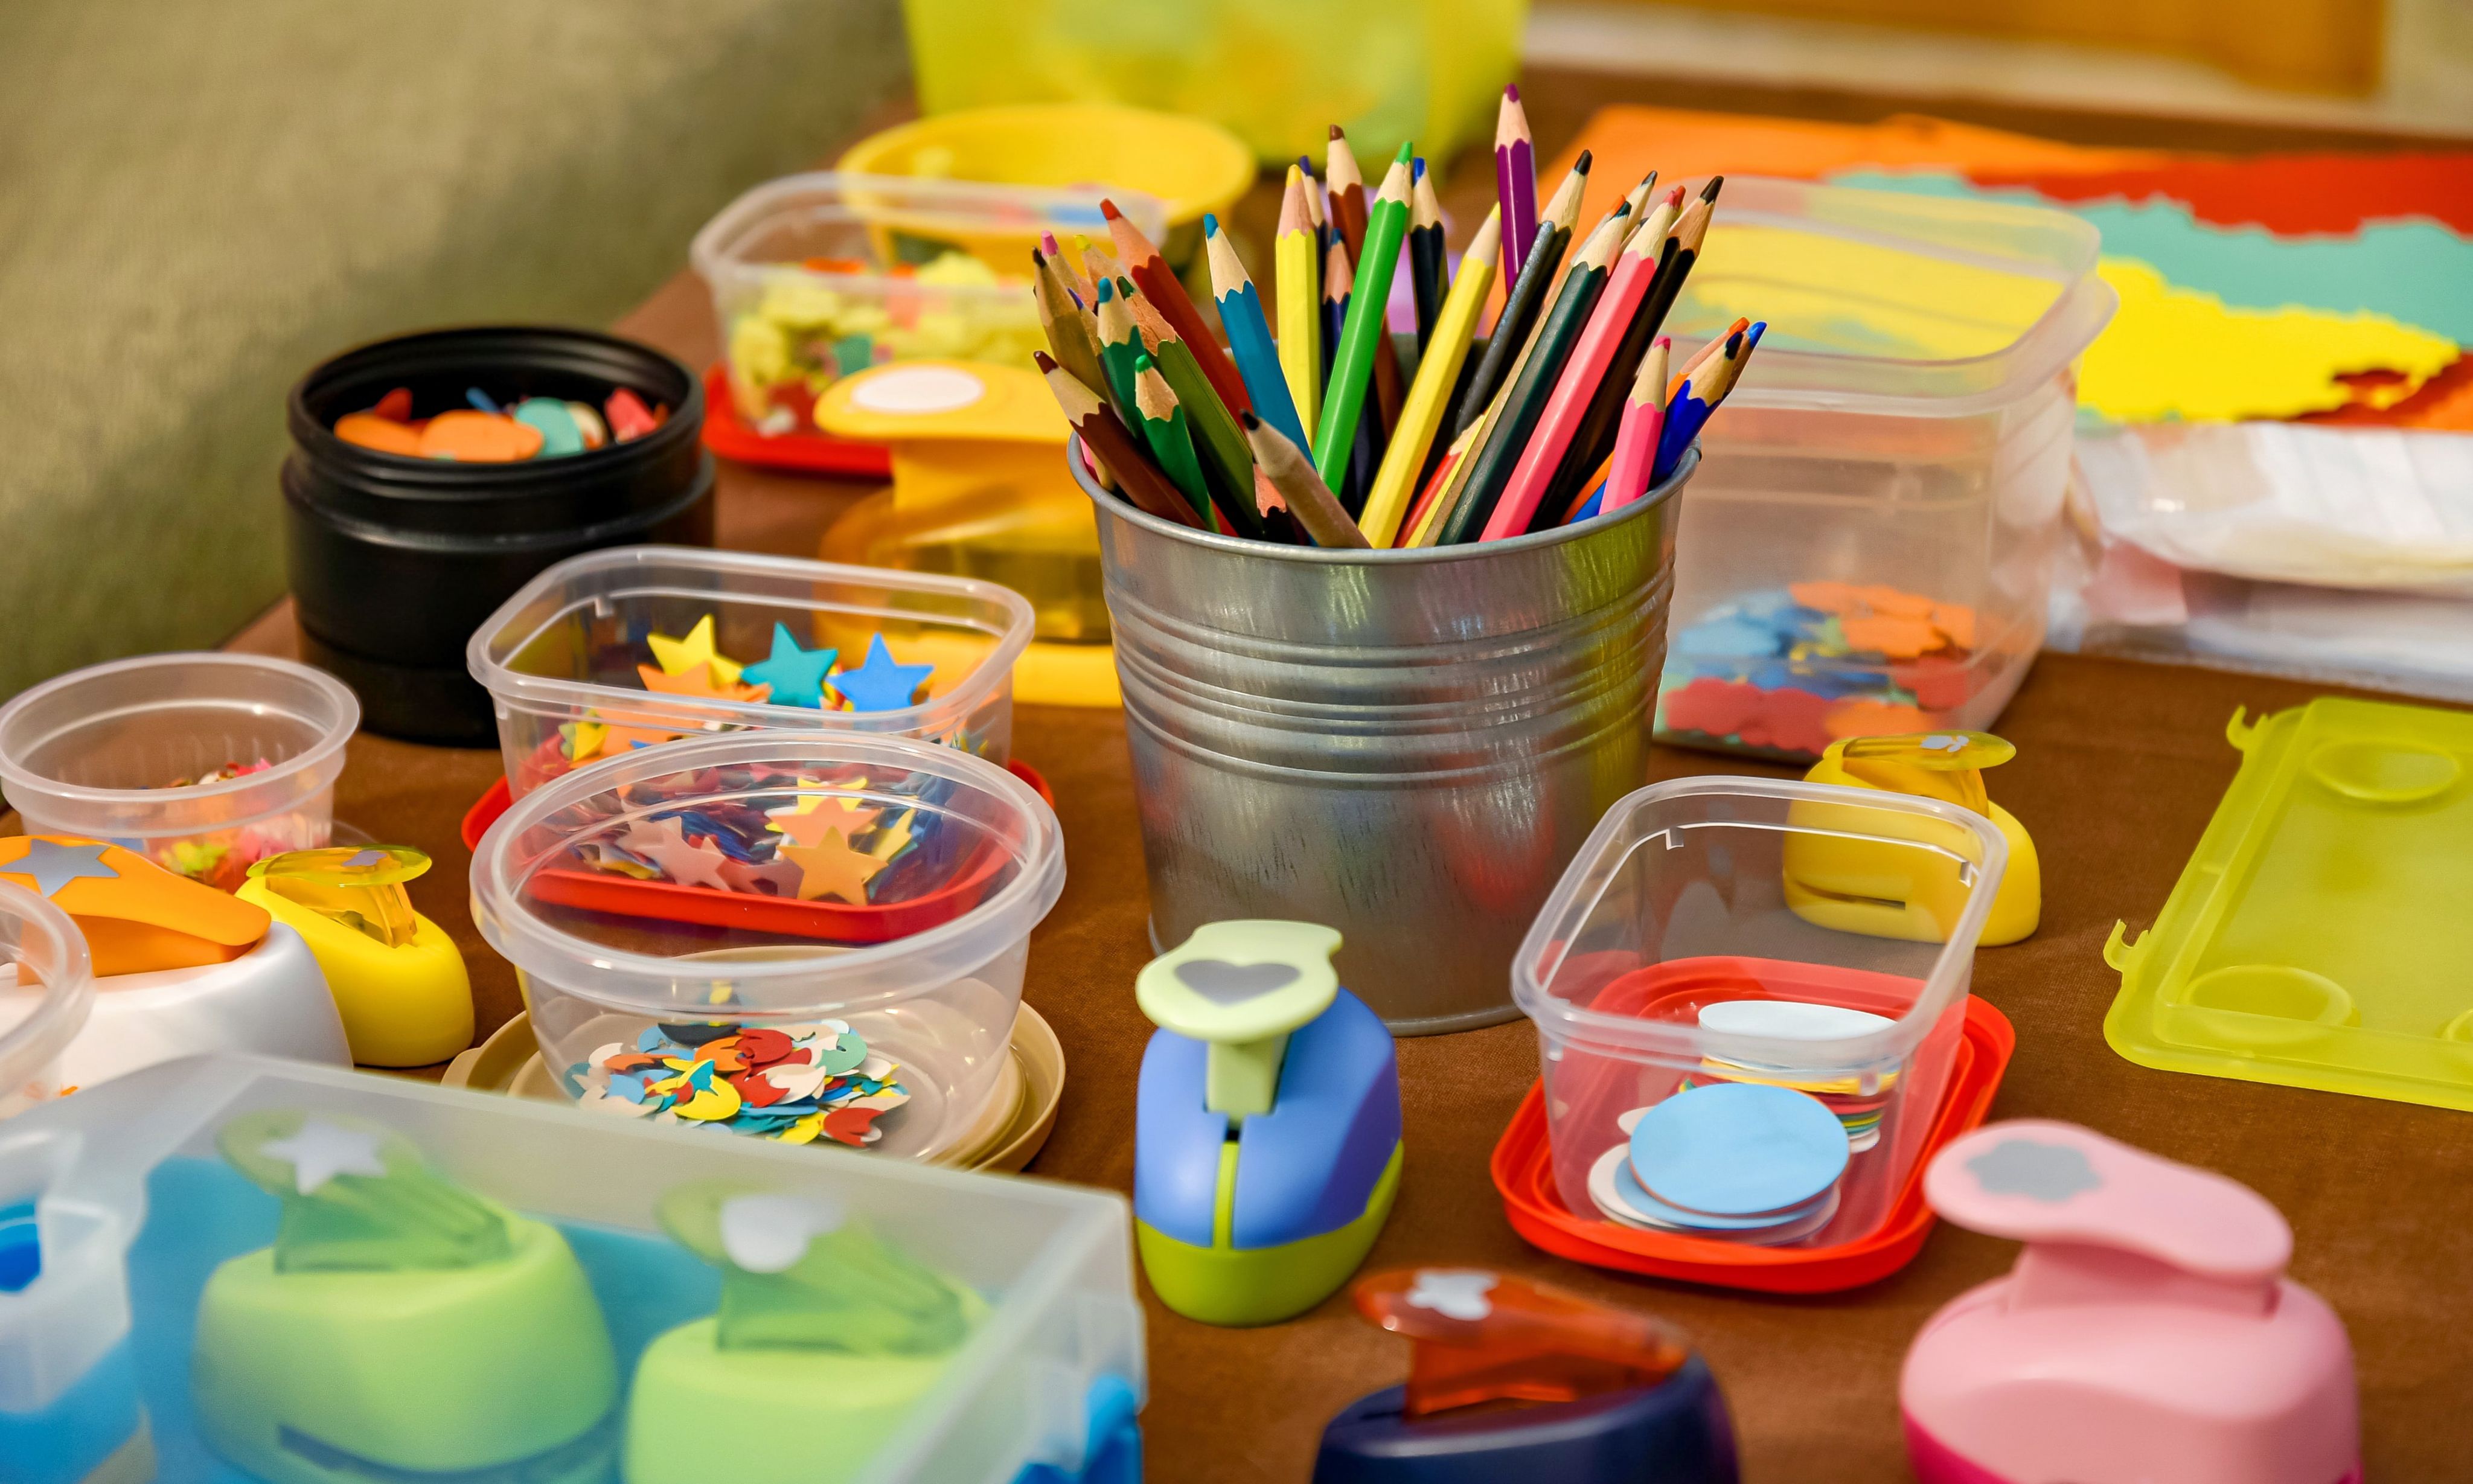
[2120,766]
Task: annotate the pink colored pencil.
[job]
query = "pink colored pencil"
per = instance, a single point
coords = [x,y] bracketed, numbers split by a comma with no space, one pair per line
[1515,181]
[1569,406]
[1644,418]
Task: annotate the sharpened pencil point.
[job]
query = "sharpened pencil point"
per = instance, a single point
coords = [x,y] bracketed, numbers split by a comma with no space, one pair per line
[1108,209]
[1210,225]
[1709,192]
[1511,90]
[1582,163]
[1338,133]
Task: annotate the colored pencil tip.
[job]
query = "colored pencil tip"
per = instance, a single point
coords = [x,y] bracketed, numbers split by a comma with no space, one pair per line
[1250,420]
[1045,362]
[1304,162]
[1674,197]
[1582,163]
[1752,336]
[1108,209]
[1511,90]
[1038,259]
[1403,156]
[1338,133]
[1106,287]
[1210,225]
[1709,192]
[1417,168]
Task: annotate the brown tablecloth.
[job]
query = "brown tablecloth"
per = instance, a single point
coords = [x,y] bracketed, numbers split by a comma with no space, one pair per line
[2120,766]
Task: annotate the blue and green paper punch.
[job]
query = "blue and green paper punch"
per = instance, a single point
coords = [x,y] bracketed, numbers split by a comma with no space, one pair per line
[1266,1147]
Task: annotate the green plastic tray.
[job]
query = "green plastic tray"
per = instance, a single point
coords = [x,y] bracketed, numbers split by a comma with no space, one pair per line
[2322,934]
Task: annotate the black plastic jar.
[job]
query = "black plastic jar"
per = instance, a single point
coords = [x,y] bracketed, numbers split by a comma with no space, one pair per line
[395,561]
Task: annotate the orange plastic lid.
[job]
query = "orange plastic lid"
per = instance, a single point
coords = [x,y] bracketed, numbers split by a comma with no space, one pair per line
[1523,1172]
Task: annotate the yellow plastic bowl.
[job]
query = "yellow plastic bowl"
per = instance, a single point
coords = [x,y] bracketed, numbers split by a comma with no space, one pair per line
[1190,164]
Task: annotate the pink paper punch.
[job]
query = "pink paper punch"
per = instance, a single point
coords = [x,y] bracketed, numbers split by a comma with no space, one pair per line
[2148,1331]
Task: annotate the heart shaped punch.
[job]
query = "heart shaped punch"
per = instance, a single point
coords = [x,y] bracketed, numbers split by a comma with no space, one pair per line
[1223,983]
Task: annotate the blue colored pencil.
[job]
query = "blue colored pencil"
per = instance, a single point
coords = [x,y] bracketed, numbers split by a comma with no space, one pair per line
[1249,335]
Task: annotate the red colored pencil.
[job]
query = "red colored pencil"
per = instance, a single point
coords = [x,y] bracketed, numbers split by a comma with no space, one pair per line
[1158,284]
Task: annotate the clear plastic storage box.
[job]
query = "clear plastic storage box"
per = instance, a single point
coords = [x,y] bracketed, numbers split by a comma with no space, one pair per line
[801,936]
[566,660]
[1725,930]
[465,1288]
[815,276]
[111,753]
[1868,546]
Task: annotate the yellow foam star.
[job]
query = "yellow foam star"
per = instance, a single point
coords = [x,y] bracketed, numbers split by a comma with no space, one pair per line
[895,838]
[680,657]
[832,867]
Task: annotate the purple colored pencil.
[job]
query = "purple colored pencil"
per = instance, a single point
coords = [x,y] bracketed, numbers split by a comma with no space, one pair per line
[1515,181]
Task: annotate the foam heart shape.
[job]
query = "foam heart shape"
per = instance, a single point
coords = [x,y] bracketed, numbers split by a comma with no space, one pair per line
[1223,983]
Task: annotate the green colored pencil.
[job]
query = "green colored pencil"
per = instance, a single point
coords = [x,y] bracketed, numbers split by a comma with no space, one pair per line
[1119,345]
[1164,428]
[1539,371]
[1227,458]
[1366,331]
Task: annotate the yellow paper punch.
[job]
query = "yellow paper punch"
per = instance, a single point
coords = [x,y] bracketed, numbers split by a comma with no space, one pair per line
[396,977]
[1868,886]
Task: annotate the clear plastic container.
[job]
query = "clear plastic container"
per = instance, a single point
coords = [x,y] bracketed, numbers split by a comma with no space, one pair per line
[817,276]
[96,752]
[1707,889]
[138,1206]
[45,996]
[919,961]
[564,653]
[1869,547]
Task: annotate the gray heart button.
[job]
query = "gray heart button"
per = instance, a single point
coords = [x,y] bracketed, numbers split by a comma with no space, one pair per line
[1223,983]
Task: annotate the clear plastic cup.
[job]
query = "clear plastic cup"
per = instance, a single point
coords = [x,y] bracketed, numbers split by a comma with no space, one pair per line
[96,753]
[921,963]
[566,651]
[1700,891]
[46,992]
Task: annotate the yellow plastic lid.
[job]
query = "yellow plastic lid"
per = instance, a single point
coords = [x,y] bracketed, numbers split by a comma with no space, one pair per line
[942,399]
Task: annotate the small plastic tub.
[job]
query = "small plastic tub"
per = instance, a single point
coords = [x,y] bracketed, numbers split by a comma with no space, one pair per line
[817,276]
[1846,918]
[1868,546]
[568,651]
[914,967]
[46,992]
[394,558]
[96,753]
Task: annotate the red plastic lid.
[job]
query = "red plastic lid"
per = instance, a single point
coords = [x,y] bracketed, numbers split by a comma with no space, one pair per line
[1523,1172]
[487,808]
[807,452]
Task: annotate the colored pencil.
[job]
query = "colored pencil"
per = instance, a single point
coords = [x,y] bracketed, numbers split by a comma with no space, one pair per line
[1227,462]
[1427,275]
[1595,442]
[1450,482]
[1249,332]
[1543,366]
[1515,181]
[1170,439]
[1137,479]
[1637,198]
[1522,302]
[1120,342]
[1299,261]
[1568,401]
[1635,456]
[1344,185]
[1066,334]
[1420,514]
[1099,265]
[1438,373]
[1366,334]
[1158,284]
[1081,284]
[1690,410]
[1308,499]
[1716,345]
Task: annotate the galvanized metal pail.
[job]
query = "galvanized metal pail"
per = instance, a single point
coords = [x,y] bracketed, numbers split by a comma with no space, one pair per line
[1409,745]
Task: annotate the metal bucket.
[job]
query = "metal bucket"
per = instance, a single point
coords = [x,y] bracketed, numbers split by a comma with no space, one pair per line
[1409,745]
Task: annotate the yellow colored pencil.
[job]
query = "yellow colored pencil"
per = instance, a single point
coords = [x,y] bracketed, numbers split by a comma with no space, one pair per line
[1438,374]
[1298,265]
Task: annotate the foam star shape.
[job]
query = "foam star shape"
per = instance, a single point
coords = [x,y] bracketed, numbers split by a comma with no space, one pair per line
[698,683]
[664,843]
[895,839]
[1459,1295]
[879,684]
[582,739]
[796,676]
[322,1151]
[832,868]
[837,818]
[54,865]
[694,653]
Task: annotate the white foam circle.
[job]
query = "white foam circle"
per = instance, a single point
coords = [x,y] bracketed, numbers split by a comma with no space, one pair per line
[915,391]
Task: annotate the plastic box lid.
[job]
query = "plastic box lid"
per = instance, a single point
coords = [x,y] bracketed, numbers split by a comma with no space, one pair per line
[46,996]
[1053,1262]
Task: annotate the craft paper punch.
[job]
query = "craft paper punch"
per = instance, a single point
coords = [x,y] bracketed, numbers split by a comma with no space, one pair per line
[1864,886]
[179,967]
[1508,1380]
[1266,1140]
[398,981]
[2147,1334]
[391,1302]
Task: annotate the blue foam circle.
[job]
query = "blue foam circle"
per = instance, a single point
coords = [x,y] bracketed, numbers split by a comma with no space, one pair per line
[1737,1149]
[1649,1208]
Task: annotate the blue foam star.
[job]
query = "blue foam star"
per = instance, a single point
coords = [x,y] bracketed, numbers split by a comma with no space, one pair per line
[55,866]
[796,675]
[881,684]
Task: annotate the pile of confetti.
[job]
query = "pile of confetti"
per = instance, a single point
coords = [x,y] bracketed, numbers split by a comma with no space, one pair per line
[485,431]
[1791,670]
[692,667]
[794,1084]
[801,836]
[806,332]
[223,774]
